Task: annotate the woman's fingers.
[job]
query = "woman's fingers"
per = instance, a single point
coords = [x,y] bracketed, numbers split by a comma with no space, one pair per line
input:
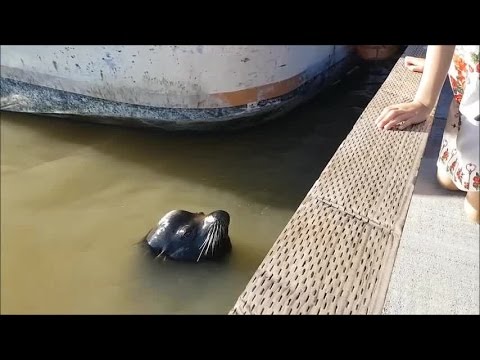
[415,68]
[414,64]
[399,116]
[389,116]
[384,113]
[406,123]
[396,121]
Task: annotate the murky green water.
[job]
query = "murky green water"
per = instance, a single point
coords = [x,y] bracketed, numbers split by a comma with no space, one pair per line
[76,198]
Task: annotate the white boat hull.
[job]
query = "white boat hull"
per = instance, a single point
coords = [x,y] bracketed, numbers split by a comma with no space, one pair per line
[172,87]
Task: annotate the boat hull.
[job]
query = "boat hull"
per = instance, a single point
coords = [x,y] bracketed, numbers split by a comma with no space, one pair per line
[168,87]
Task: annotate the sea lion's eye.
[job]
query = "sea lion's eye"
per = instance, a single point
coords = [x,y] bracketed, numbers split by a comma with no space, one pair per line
[184,232]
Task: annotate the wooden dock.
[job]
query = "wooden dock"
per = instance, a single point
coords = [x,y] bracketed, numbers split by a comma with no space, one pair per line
[336,254]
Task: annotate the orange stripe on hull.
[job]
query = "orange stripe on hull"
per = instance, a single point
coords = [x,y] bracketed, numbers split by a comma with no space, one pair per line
[259,93]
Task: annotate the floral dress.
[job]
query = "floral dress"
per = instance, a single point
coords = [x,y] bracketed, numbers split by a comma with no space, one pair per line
[459,152]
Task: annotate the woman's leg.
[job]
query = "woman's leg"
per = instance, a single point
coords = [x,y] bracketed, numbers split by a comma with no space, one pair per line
[445,180]
[472,202]
[447,164]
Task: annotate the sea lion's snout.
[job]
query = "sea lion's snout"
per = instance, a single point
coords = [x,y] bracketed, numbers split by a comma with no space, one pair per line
[222,216]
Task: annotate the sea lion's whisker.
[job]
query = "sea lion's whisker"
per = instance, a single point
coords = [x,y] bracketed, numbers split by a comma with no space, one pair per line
[203,244]
[199,256]
[156,257]
[215,231]
[202,247]
[208,246]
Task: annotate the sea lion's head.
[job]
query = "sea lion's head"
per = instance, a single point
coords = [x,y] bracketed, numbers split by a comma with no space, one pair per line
[186,236]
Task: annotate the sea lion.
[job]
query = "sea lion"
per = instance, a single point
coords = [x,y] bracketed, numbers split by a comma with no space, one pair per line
[187,236]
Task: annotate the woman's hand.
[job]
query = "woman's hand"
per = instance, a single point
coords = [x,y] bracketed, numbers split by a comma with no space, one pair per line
[414,63]
[399,116]
[437,61]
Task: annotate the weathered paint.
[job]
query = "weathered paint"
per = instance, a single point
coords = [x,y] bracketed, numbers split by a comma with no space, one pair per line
[168,76]
[259,93]
[161,77]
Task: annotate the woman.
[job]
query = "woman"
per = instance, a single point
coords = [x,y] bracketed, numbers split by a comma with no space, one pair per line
[458,165]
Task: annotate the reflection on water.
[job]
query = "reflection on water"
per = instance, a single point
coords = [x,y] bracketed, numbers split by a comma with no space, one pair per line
[77,197]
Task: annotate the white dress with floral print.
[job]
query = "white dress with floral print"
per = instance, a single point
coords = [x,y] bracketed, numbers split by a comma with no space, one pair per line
[459,153]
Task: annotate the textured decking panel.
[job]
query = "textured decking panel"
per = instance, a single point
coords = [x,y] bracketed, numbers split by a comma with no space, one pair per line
[335,256]
[317,268]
